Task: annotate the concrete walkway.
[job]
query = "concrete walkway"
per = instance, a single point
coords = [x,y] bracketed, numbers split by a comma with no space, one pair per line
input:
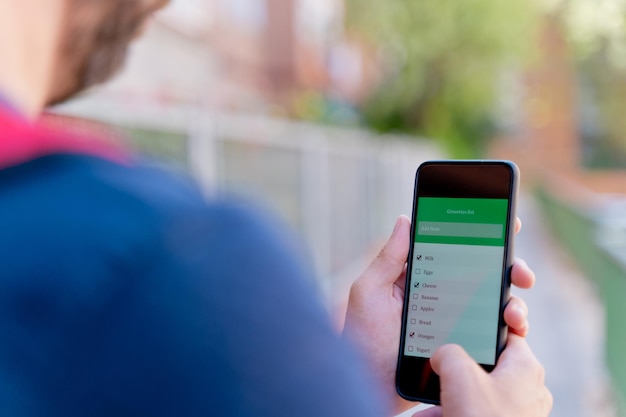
[567,323]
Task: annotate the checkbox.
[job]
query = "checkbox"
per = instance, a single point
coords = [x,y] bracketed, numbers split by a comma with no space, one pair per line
[418,257]
[410,348]
[414,308]
[418,271]
[413,321]
[416,296]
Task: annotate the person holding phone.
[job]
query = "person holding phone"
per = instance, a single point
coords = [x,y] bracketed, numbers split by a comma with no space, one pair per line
[125,292]
[515,387]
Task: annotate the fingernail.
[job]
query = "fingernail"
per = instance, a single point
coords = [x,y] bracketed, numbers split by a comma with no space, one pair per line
[522,262]
[397,225]
[519,310]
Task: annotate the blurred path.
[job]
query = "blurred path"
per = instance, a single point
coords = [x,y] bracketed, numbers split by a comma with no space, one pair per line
[566,322]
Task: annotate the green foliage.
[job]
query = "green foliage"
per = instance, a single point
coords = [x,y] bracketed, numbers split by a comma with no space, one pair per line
[441,62]
[597,36]
[603,90]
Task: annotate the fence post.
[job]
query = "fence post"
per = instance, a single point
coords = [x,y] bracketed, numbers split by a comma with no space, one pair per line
[202,149]
[315,198]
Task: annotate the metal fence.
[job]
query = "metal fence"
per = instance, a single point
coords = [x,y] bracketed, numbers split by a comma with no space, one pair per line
[341,189]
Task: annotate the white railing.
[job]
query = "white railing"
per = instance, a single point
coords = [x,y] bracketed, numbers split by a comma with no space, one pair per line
[341,189]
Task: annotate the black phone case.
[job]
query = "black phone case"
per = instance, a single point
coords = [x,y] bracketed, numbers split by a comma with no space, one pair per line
[431,392]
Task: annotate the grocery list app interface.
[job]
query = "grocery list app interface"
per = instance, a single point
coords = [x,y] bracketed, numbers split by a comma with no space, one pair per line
[456,276]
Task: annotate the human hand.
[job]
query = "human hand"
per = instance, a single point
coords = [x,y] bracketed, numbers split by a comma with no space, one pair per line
[515,387]
[374,315]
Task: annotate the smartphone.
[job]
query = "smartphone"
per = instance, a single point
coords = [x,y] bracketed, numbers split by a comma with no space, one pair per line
[458,269]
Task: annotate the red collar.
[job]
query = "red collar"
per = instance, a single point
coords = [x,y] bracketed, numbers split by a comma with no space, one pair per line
[22,141]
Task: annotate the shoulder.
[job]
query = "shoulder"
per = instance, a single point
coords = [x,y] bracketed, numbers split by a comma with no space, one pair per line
[82,216]
[154,286]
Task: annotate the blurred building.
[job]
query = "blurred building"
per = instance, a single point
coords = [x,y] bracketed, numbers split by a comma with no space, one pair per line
[284,56]
[276,57]
[551,114]
[541,107]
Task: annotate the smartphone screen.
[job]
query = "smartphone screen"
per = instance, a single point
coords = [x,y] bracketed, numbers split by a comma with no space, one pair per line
[458,267]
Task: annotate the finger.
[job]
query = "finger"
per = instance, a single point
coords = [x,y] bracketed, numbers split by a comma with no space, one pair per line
[516,316]
[521,275]
[518,225]
[390,262]
[401,281]
[430,412]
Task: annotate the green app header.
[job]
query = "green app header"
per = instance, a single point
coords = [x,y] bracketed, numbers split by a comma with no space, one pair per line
[462,221]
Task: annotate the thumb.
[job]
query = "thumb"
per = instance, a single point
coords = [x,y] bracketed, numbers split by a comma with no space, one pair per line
[452,363]
[389,264]
[429,412]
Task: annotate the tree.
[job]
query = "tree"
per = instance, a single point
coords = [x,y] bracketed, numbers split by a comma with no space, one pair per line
[597,33]
[441,62]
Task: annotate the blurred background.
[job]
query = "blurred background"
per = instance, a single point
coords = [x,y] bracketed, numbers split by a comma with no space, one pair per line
[323,109]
